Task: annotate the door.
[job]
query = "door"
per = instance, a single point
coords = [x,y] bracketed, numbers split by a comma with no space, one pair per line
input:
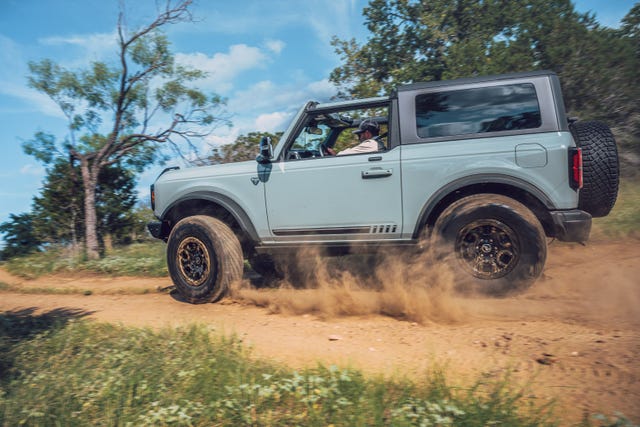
[335,198]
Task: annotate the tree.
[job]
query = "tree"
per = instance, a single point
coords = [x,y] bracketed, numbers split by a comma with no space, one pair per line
[245,147]
[121,112]
[440,39]
[115,203]
[58,209]
[19,236]
[58,213]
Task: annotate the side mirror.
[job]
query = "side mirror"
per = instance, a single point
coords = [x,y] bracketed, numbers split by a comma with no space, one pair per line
[266,150]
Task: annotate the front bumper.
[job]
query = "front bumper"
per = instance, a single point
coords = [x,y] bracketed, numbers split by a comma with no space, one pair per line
[159,230]
[571,226]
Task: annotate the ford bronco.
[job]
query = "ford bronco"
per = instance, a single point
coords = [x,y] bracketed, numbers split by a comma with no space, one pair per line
[485,168]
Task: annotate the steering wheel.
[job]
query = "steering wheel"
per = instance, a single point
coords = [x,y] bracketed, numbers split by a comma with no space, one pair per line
[293,155]
[326,151]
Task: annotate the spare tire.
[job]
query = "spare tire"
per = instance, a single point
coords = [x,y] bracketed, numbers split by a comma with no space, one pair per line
[601,169]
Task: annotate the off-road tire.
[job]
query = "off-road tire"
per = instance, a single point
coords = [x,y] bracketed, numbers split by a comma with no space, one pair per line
[600,167]
[204,258]
[494,244]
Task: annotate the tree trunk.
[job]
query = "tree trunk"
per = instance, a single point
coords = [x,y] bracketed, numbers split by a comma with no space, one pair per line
[89,182]
[108,243]
[72,229]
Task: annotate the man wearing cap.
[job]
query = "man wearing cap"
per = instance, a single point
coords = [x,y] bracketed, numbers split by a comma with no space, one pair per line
[367,131]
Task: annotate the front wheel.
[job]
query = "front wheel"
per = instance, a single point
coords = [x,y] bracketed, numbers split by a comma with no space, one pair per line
[204,257]
[495,244]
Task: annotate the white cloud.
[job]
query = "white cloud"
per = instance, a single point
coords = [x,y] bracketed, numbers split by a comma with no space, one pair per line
[13,82]
[98,46]
[335,20]
[275,46]
[85,40]
[223,68]
[32,170]
[322,88]
[272,122]
[224,137]
[269,107]
[267,97]
[38,101]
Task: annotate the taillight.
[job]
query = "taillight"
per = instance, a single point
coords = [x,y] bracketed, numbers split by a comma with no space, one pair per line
[153,198]
[575,168]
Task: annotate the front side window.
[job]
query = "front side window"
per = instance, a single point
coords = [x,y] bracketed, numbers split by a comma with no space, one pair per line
[308,143]
[329,133]
[477,110]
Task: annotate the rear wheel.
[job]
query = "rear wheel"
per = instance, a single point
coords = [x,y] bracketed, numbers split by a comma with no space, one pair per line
[493,243]
[204,257]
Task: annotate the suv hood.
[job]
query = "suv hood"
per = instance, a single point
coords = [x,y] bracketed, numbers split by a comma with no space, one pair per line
[226,169]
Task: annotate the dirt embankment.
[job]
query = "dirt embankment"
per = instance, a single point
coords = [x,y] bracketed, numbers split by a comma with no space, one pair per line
[573,336]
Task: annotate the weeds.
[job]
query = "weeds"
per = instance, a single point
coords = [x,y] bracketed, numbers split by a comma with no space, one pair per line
[140,259]
[624,219]
[84,373]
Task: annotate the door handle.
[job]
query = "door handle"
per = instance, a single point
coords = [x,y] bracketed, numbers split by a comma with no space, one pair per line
[376,173]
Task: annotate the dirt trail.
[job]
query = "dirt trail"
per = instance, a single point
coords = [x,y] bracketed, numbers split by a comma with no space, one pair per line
[575,335]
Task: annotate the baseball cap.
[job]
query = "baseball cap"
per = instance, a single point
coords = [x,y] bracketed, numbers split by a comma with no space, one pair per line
[369,125]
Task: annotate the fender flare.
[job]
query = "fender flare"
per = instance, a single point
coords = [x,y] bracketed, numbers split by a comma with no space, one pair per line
[479,179]
[223,201]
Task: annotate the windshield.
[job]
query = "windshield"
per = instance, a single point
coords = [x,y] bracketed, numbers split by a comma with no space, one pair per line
[311,137]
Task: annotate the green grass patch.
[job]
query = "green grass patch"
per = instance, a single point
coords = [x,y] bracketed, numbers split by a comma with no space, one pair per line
[624,219]
[139,259]
[82,373]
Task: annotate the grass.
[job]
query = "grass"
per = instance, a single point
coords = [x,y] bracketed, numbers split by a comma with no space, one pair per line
[624,219]
[58,370]
[139,259]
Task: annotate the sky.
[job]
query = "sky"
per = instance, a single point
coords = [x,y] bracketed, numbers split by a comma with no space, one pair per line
[266,57]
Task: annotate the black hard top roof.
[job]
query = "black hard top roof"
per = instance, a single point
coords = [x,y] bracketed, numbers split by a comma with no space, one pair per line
[471,80]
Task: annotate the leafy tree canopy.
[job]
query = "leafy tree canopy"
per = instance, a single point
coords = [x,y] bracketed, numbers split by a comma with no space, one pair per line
[426,40]
[20,238]
[121,112]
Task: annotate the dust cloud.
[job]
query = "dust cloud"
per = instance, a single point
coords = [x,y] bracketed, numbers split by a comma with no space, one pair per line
[420,290]
[595,284]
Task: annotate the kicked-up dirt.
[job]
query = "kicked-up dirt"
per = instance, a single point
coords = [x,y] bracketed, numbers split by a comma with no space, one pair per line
[573,337]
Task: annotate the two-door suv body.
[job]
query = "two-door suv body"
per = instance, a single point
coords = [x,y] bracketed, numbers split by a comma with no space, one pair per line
[485,169]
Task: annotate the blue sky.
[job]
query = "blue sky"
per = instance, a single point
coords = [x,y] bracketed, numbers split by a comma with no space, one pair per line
[266,57]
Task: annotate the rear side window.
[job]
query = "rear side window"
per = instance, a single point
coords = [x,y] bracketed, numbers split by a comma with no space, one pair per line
[477,110]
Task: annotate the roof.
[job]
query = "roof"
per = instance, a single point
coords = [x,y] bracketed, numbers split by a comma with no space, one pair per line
[471,80]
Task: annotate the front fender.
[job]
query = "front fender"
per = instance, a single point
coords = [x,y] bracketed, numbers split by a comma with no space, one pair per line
[207,198]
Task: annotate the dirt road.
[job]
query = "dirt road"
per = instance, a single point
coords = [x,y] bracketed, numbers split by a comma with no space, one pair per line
[574,336]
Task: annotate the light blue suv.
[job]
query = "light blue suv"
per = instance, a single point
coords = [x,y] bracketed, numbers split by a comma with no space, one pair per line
[483,169]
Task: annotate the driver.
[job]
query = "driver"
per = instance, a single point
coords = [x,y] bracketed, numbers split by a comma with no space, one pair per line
[367,133]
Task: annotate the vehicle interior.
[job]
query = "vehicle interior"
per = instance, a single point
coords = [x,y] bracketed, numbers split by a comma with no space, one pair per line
[328,133]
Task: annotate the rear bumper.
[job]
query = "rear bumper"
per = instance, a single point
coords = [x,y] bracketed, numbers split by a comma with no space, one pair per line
[571,226]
